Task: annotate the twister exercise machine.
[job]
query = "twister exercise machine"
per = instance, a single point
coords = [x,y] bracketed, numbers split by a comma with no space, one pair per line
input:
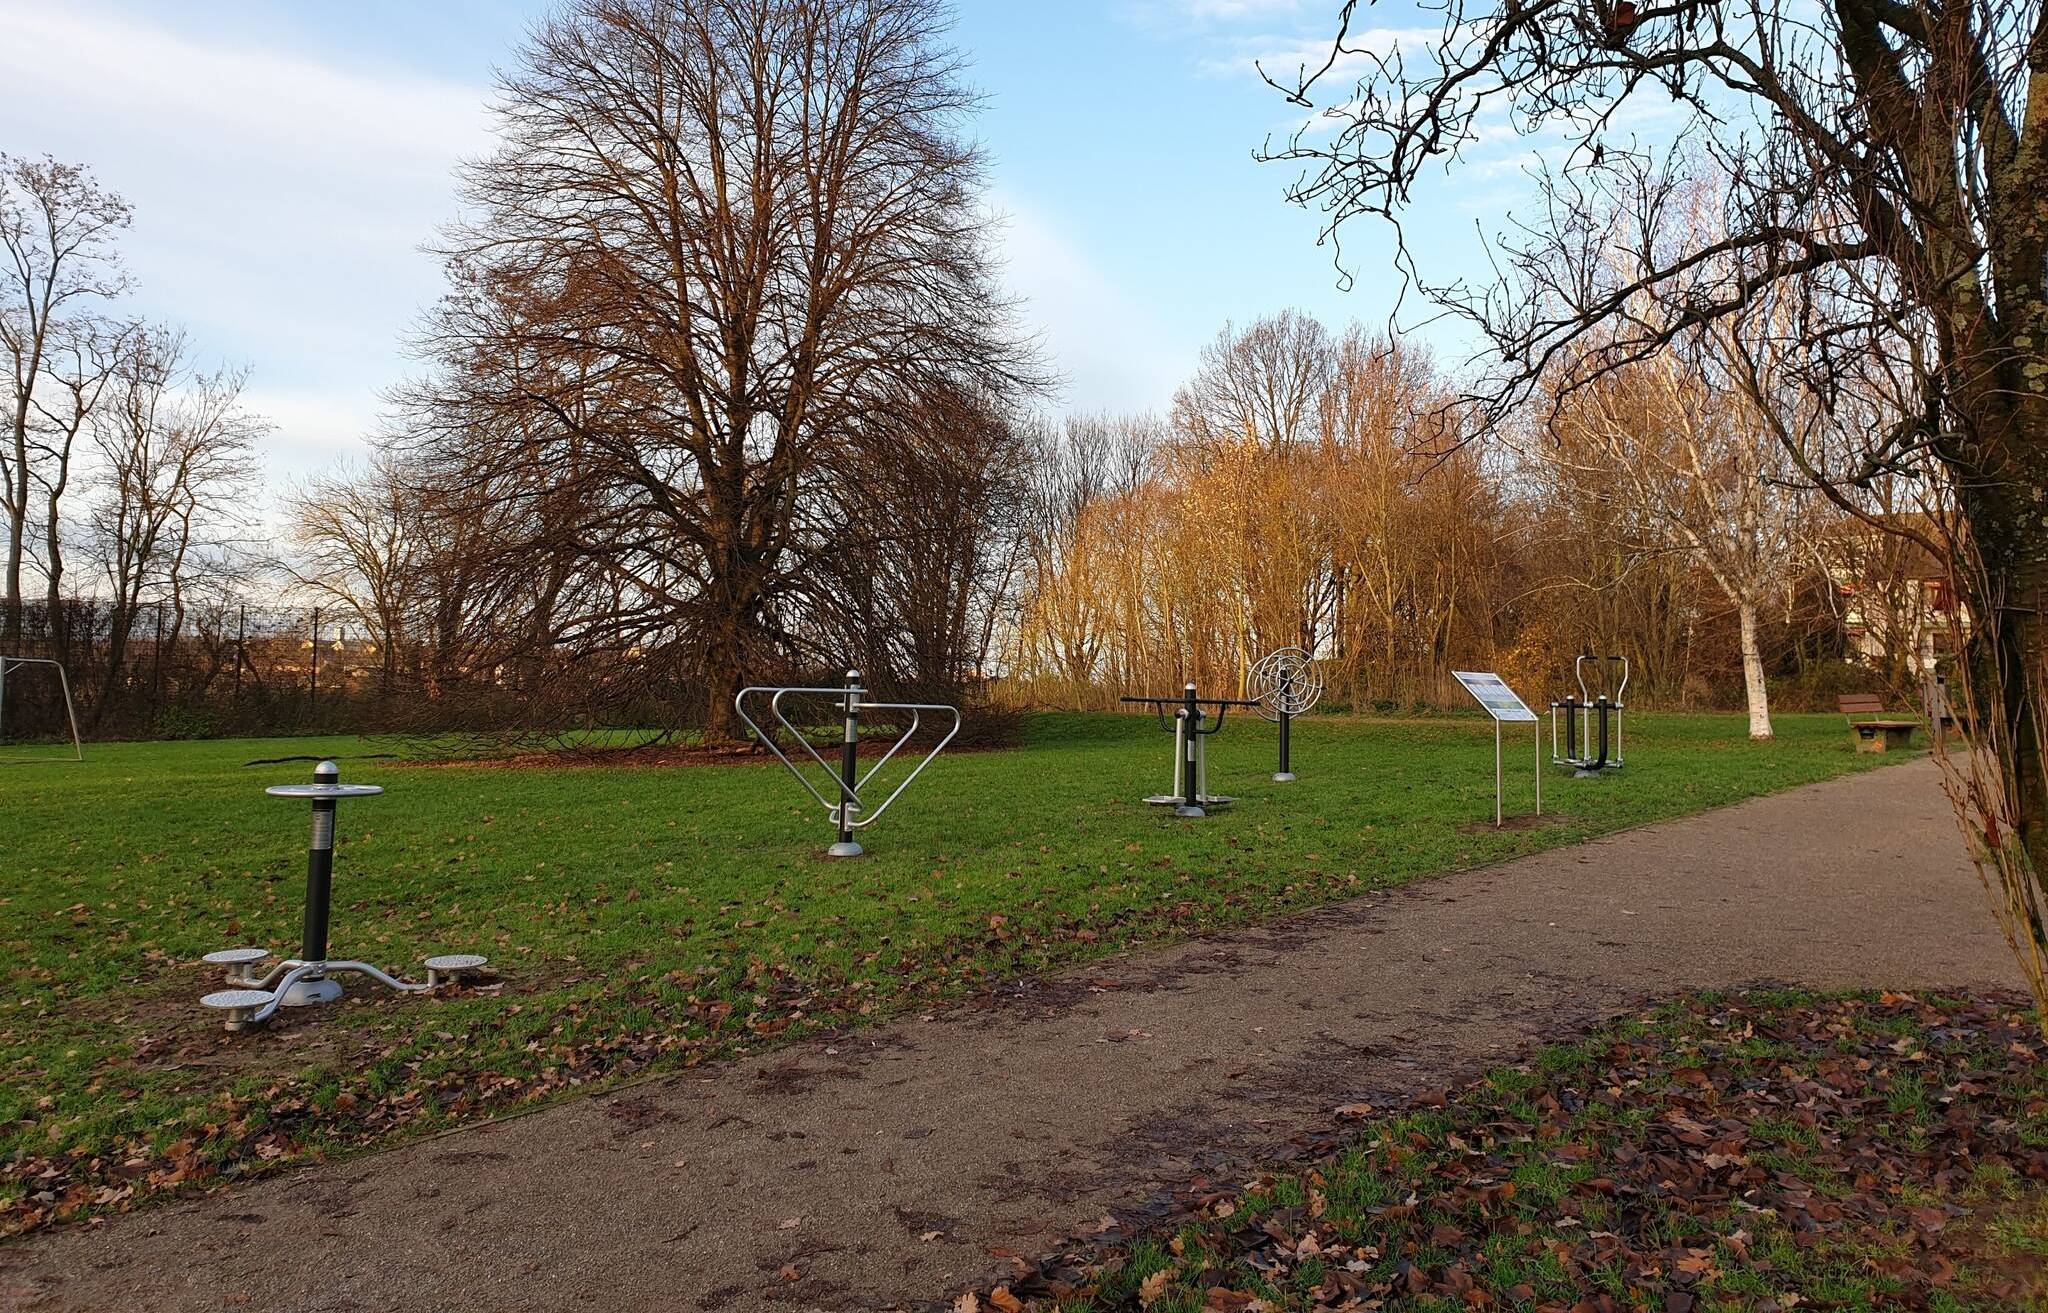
[847,781]
[1288,684]
[253,994]
[1192,727]
[1592,721]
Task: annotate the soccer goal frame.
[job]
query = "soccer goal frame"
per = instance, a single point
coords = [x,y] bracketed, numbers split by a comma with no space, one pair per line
[10,664]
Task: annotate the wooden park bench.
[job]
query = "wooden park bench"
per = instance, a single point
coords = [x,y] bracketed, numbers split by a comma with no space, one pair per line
[1874,735]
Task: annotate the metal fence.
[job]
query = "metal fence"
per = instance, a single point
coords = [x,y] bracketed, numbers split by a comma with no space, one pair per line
[230,667]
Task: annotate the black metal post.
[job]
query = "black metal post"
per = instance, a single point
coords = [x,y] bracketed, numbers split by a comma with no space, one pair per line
[1190,749]
[1601,761]
[849,758]
[1571,728]
[320,868]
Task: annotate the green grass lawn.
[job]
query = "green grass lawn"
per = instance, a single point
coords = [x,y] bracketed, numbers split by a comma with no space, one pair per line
[652,918]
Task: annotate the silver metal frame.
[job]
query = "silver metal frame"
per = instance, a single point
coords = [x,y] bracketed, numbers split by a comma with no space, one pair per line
[1183,801]
[8,663]
[1275,681]
[1584,712]
[853,701]
[1289,684]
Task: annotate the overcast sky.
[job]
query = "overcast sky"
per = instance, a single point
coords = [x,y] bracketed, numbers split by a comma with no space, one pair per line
[288,160]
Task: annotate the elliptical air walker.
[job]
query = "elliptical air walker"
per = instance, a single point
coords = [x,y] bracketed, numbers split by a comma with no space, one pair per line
[1192,728]
[1591,721]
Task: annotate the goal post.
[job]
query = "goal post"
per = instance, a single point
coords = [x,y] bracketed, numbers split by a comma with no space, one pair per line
[13,669]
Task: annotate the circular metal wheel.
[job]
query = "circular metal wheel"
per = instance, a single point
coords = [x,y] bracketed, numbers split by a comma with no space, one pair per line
[1287,681]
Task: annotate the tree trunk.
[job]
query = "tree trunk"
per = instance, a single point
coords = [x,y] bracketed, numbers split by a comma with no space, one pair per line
[723,679]
[1754,689]
[17,528]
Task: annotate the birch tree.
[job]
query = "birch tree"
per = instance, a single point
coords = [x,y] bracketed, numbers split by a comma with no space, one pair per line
[58,266]
[1672,437]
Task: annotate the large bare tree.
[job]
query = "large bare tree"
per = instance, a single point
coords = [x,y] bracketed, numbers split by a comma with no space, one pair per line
[58,264]
[1885,165]
[715,238]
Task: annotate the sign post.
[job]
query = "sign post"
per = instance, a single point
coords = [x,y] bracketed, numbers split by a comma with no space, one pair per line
[1501,703]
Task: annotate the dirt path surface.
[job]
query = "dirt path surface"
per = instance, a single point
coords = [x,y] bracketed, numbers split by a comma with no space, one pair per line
[879,1171]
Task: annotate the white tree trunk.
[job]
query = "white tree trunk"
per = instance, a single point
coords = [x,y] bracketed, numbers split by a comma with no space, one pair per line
[1753,674]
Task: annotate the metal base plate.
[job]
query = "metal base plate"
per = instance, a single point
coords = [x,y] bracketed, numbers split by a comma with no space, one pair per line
[303,993]
[236,998]
[1182,807]
[847,849]
[1283,777]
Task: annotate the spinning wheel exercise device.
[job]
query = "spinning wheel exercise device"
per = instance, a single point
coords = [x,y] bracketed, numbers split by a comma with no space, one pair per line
[1288,684]
[1191,728]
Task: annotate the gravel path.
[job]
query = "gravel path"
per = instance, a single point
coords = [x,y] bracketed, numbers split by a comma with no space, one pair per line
[894,1167]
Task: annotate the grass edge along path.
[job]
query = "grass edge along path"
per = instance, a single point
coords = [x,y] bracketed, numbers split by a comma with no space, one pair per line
[1769,1149]
[665,943]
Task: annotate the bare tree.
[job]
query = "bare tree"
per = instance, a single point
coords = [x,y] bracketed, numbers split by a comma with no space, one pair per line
[1886,170]
[1261,384]
[78,367]
[57,232]
[1690,436]
[715,239]
[173,482]
[360,543]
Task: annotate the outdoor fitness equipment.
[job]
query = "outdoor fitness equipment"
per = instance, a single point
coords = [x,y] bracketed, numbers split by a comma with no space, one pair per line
[253,994]
[1190,749]
[1589,718]
[1288,684]
[847,781]
[10,664]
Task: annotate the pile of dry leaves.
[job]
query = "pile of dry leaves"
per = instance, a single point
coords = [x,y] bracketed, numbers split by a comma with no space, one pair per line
[1764,1151]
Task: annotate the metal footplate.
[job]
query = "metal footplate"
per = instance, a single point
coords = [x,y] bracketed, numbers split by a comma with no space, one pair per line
[240,962]
[449,968]
[241,1005]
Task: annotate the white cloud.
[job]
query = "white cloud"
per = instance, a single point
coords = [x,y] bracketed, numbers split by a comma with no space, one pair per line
[1284,57]
[1110,349]
[281,200]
